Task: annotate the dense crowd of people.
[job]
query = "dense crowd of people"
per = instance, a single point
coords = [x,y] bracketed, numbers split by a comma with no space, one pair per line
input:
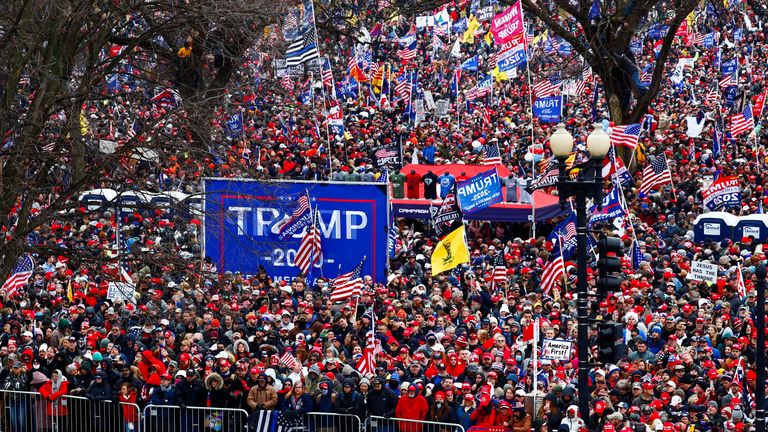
[453,348]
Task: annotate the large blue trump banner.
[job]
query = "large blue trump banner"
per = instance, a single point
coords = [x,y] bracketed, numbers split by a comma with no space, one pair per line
[243,217]
[479,192]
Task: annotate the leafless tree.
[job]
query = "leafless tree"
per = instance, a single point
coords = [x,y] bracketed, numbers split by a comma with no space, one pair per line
[56,57]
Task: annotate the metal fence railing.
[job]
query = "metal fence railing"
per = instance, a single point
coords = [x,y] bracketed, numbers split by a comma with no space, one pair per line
[167,418]
[331,422]
[30,412]
[392,424]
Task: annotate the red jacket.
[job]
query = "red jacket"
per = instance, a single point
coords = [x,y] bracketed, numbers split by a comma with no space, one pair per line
[484,415]
[54,407]
[130,410]
[412,408]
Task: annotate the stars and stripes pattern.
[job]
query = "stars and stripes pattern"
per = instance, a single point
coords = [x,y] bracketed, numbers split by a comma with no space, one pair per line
[273,421]
[289,360]
[302,207]
[407,53]
[492,155]
[348,285]
[712,96]
[326,74]
[18,277]
[728,81]
[499,274]
[547,87]
[655,174]
[286,83]
[743,121]
[403,87]
[553,272]
[310,248]
[367,364]
[303,47]
[626,136]
[741,288]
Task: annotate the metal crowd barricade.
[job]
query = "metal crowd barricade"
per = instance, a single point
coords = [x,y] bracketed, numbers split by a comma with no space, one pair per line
[168,418]
[22,412]
[82,414]
[332,422]
[392,424]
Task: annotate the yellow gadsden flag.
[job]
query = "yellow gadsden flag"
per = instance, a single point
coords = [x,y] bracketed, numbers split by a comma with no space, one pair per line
[450,252]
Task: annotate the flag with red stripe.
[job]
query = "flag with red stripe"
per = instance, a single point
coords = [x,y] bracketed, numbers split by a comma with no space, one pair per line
[310,248]
[348,285]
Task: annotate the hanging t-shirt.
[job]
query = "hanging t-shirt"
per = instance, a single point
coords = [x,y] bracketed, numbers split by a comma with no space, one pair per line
[430,185]
[446,182]
[398,184]
[412,182]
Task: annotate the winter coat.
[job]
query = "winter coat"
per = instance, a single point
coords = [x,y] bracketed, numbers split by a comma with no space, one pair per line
[190,394]
[521,424]
[266,397]
[382,403]
[130,412]
[463,415]
[296,407]
[99,391]
[350,403]
[216,397]
[163,396]
[412,408]
[484,416]
[52,392]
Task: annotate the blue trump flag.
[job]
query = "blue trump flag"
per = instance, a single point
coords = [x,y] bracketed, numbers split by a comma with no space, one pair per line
[729,67]
[514,58]
[611,208]
[566,229]
[235,125]
[479,192]
[469,64]
[548,109]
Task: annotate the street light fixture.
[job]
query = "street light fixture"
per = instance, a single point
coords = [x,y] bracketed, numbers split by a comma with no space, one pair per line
[589,183]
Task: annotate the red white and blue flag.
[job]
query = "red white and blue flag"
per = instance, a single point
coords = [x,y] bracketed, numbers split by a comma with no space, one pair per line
[18,277]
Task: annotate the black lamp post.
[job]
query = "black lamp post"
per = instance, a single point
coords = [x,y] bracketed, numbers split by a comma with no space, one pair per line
[760,272]
[589,183]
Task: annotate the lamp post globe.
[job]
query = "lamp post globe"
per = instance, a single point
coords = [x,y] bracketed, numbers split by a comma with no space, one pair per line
[561,142]
[598,142]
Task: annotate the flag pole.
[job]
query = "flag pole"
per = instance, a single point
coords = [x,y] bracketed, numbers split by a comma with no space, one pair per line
[533,162]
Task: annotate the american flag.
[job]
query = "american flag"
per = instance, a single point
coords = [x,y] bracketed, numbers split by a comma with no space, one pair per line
[301,208]
[553,271]
[655,174]
[646,75]
[547,87]
[499,271]
[274,421]
[289,360]
[492,155]
[728,81]
[740,287]
[743,121]
[286,82]
[348,285]
[698,38]
[403,87]
[438,30]
[407,53]
[303,47]
[326,74]
[367,364]
[18,277]
[437,43]
[586,77]
[492,60]
[626,136]
[310,248]
[712,96]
